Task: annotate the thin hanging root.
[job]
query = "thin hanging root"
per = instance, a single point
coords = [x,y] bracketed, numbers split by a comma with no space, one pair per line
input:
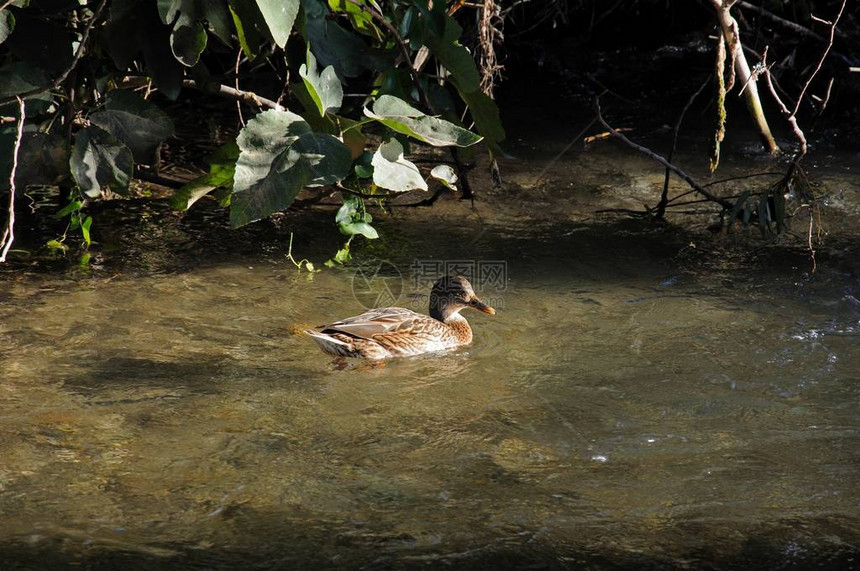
[720,131]
[490,35]
[809,237]
[9,232]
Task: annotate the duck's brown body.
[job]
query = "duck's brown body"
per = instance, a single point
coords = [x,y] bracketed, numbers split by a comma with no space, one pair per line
[398,332]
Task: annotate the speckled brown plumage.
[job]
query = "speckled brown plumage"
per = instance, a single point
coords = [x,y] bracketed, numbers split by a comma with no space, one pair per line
[398,332]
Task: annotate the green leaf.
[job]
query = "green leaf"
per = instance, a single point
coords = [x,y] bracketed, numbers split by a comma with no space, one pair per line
[485,114]
[73,206]
[217,17]
[139,124]
[188,39]
[222,167]
[360,20]
[250,26]
[446,175]
[192,191]
[135,27]
[333,45]
[99,159]
[763,210]
[261,140]
[456,58]
[279,155]
[392,171]
[167,10]
[364,165]
[324,88]
[399,116]
[57,245]
[328,160]
[7,24]
[18,77]
[279,16]
[341,257]
[272,193]
[411,28]
[43,159]
[41,42]
[85,229]
[434,18]
[736,209]
[353,219]
[779,208]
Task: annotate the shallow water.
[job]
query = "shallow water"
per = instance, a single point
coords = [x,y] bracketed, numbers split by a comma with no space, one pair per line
[644,398]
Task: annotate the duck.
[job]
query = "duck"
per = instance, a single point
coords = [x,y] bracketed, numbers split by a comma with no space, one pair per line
[388,332]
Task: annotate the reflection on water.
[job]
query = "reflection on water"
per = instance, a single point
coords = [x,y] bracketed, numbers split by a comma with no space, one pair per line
[635,403]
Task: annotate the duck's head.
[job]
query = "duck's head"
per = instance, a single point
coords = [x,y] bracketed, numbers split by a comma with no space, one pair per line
[452,294]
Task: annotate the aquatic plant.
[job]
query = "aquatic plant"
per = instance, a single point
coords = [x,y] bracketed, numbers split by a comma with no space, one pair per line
[340,89]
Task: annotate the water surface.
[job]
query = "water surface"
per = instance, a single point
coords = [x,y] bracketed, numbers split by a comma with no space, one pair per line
[645,397]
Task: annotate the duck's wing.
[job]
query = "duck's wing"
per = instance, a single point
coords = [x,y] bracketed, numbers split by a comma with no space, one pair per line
[378,321]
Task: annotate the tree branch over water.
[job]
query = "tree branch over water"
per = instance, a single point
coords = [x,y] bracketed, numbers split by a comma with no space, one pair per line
[662,160]
[237,94]
[62,77]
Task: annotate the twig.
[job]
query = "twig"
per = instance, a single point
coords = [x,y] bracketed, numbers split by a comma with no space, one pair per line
[561,153]
[62,77]
[364,194]
[9,232]
[648,152]
[623,211]
[141,174]
[794,168]
[426,202]
[664,198]
[741,177]
[233,93]
[782,21]
[238,101]
[809,241]
[404,49]
[823,55]
[790,116]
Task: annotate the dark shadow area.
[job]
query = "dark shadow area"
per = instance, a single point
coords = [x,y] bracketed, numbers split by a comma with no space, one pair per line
[782,546]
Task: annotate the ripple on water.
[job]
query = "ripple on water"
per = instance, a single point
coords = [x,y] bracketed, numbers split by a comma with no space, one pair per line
[610,406]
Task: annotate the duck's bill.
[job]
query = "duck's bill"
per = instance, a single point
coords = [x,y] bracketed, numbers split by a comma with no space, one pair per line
[481,306]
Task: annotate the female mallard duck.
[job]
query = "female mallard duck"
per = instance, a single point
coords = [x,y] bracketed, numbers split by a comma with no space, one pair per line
[398,332]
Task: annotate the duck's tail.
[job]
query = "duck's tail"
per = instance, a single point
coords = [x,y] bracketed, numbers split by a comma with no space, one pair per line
[330,344]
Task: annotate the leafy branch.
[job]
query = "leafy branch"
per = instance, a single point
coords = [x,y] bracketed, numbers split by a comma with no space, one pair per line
[65,73]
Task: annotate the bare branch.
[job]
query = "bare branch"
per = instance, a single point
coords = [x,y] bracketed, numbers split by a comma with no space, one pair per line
[233,93]
[782,21]
[790,116]
[823,57]
[664,198]
[648,152]
[744,75]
